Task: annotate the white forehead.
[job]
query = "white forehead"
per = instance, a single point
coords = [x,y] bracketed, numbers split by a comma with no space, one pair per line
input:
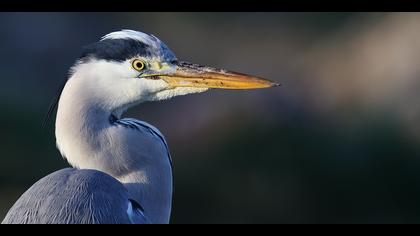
[156,44]
[136,35]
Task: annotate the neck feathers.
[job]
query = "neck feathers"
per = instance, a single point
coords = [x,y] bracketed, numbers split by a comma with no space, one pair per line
[89,136]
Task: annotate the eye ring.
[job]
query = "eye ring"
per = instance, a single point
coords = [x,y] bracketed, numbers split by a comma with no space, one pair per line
[138,64]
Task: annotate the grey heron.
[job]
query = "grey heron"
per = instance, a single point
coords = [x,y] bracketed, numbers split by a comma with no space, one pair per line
[122,169]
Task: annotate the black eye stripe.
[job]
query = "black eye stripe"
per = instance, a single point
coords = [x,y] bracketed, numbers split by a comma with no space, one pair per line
[116,50]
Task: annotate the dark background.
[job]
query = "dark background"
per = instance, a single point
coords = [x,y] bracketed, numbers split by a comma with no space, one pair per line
[337,143]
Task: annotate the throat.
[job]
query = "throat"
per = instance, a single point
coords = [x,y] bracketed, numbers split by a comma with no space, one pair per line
[89,137]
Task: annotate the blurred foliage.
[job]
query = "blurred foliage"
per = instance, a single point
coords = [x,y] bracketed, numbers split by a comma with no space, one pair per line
[337,143]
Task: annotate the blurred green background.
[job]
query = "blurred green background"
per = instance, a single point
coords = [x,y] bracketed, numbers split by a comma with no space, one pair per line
[337,143]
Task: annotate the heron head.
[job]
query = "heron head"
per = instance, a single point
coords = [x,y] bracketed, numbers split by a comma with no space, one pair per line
[128,67]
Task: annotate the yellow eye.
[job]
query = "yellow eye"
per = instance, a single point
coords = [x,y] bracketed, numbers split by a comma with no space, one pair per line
[138,64]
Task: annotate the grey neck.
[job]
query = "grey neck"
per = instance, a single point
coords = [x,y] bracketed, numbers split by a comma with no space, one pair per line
[88,139]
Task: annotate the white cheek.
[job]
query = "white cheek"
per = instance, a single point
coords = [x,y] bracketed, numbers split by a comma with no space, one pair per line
[109,84]
[116,85]
[151,86]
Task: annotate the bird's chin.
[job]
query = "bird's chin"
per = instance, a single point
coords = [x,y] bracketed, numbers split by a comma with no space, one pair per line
[171,92]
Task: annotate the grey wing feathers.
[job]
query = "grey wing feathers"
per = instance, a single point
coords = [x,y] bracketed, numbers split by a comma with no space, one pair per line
[72,196]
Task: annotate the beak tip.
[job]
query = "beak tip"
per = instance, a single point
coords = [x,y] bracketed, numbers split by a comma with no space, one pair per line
[272,84]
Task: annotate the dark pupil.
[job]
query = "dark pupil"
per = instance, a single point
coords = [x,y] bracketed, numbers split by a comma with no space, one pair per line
[139,65]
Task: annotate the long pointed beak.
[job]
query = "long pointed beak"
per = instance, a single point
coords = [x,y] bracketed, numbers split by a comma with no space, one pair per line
[193,75]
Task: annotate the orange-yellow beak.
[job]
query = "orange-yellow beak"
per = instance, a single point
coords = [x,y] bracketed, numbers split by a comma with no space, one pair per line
[192,75]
